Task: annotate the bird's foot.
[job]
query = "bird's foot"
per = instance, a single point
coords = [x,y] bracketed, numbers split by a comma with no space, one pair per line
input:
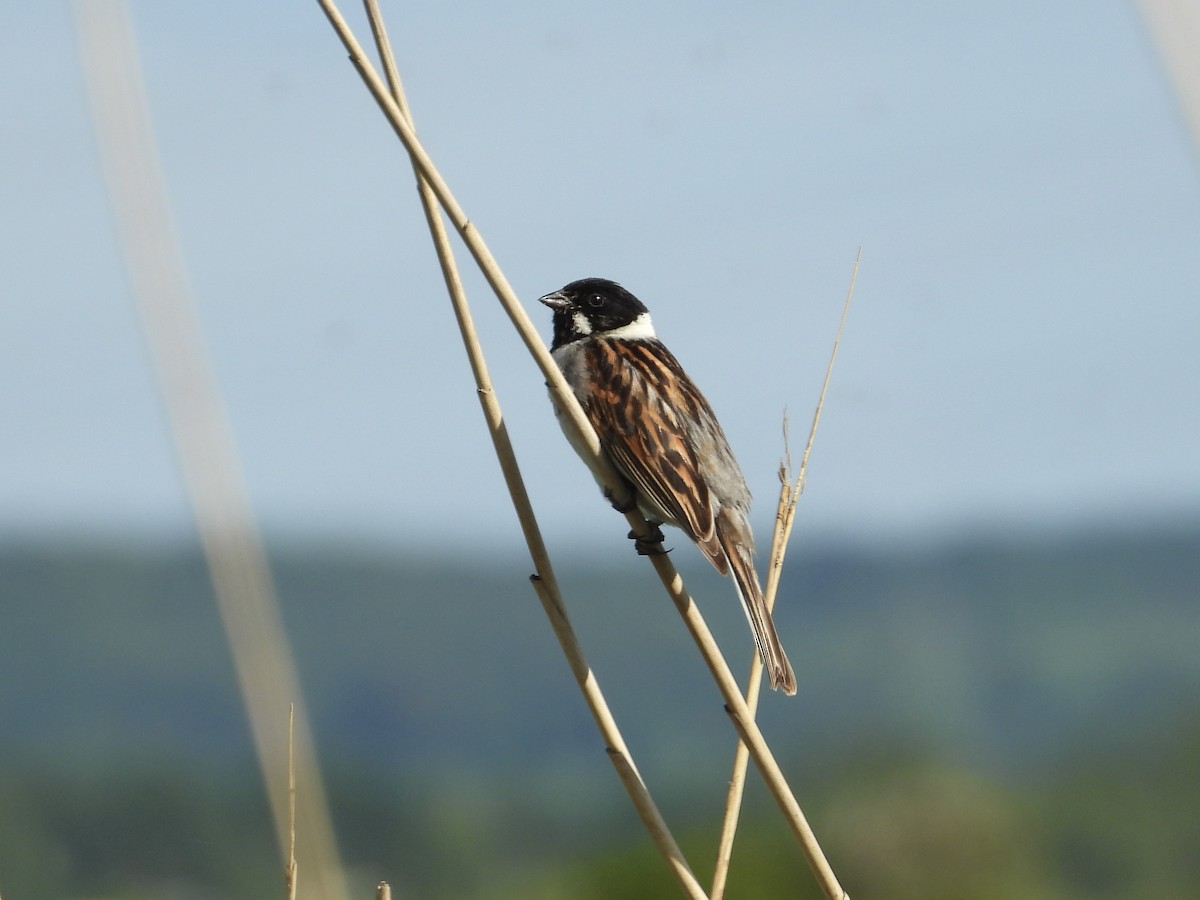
[652,544]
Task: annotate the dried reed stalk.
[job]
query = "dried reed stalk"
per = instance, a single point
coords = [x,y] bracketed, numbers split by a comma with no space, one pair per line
[200,433]
[1175,27]
[291,870]
[739,714]
[785,516]
[544,582]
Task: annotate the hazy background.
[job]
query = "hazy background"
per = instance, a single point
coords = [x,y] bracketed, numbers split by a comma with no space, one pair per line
[993,597]
[1021,351]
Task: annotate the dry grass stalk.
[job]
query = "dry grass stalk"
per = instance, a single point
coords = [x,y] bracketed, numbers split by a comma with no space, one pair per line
[290,871]
[785,516]
[200,431]
[383,891]
[544,583]
[1175,27]
[479,252]
[740,716]
[737,779]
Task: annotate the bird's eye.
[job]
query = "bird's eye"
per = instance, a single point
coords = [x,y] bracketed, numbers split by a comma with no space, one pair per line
[595,301]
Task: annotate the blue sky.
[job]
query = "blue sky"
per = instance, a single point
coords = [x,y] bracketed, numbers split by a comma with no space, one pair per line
[1022,352]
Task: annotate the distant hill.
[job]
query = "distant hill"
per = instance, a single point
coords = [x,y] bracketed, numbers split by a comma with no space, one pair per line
[426,674]
[992,652]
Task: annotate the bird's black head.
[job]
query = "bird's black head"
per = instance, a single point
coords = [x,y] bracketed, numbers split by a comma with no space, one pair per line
[594,307]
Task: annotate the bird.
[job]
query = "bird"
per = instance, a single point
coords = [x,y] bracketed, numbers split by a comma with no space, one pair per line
[662,437]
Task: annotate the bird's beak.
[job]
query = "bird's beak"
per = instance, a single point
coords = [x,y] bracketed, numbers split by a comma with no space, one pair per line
[555,301]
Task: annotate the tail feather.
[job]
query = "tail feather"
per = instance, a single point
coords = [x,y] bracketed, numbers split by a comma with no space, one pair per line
[738,550]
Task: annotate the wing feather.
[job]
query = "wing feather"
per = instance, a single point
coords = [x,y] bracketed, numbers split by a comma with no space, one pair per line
[661,434]
[646,426]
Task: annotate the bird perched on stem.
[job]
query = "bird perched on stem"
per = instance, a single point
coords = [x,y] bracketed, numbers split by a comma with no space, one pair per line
[661,435]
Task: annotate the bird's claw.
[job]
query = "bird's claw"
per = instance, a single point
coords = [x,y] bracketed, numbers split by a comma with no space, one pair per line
[651,545]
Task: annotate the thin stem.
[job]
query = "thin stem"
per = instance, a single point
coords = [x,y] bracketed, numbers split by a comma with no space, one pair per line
[291,871]
[785,516]
[544,583]
[595,459]
[741,756]
[527,331]
[201,436]
[747,728]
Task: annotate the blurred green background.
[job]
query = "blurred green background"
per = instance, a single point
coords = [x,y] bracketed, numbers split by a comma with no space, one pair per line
[989,719]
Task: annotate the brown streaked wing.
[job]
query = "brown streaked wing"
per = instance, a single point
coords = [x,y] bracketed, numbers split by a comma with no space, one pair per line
[644,435]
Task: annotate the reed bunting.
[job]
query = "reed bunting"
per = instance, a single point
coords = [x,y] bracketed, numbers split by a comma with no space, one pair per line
[661,435]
